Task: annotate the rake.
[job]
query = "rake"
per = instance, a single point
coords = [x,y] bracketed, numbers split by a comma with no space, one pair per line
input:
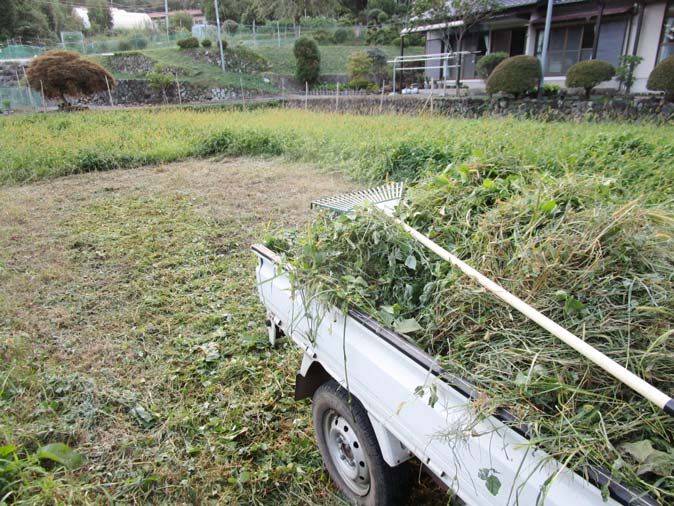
[387,198]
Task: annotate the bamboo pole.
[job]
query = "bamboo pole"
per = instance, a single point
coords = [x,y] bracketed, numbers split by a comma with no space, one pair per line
[30,93]
[44,101]
[107,83]
[619,372]
[180,98]
[381,99]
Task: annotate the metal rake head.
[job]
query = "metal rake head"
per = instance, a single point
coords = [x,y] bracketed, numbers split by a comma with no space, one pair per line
[385,197]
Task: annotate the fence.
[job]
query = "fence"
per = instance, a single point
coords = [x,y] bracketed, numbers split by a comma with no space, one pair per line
[19,98]
[271,33]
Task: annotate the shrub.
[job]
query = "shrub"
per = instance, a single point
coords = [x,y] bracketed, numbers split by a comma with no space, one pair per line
[206,43]
[231,26]
[66,73]
[662,78]
[488,63]
[360,84]
[188,43]
[341,36]
[322,37]
[124,45]
[369,65]
[588,74]
[515,75]
[625,71]
[308,60]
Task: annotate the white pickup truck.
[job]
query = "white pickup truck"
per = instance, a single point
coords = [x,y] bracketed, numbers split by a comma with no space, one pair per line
[378,400]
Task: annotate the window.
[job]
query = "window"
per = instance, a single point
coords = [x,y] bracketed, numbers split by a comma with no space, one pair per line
[667,37]
[568,45]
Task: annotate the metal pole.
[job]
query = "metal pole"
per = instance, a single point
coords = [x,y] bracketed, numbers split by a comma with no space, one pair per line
[278,34]
[546,44]
[402,65]
[167,19]
[217,22]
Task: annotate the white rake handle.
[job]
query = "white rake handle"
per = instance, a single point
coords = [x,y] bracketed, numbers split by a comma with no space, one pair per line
[627,377]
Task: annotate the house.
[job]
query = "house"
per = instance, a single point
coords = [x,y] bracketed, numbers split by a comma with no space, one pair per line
[580,30]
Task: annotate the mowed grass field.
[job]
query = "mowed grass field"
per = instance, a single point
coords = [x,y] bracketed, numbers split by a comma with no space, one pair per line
[129,322]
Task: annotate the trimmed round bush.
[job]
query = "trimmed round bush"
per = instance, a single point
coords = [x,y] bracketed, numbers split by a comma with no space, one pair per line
[488,63]
[206,43]
[322,37]
[516,75]
[188,43]
[662,78]
[231,26]
[588,74]
[341,35]
[308,60]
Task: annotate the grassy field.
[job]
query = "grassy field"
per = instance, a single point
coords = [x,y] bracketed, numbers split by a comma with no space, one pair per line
[333,58]
[368,148]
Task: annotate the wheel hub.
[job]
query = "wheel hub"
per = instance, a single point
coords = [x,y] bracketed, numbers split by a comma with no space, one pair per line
[347,453]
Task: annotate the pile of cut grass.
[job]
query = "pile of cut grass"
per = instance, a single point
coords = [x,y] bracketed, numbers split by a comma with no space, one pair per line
[587,252]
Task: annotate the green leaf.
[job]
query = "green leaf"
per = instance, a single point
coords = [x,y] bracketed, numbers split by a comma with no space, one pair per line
[411,262]
[493,484]
[548,206]
[7,450]
[650,459]
[244,476]
[142,415]
[407,326]
[488,183]
[60,453]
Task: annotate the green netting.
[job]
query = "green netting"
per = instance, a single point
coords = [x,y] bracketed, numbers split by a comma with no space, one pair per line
[19,98]
[19,51]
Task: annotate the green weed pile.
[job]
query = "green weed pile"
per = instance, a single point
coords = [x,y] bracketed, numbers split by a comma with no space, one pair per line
[588,251]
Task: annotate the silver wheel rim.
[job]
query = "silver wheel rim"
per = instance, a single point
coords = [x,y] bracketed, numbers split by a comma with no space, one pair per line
[346,453]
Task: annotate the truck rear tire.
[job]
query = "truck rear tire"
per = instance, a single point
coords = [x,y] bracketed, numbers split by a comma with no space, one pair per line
[350,450]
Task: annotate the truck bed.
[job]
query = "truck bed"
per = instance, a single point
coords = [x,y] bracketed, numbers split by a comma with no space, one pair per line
[419,409]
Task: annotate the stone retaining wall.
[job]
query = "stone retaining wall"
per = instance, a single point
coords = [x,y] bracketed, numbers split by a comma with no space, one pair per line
[551,109]
[138,92]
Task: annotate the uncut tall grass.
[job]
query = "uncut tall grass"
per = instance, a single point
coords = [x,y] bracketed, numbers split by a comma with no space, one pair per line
[369,148]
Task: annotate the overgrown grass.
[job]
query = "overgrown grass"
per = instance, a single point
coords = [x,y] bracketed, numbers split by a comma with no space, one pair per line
[369,149]
[333,58]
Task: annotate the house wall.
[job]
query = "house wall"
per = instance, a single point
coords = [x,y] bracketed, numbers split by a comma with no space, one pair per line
[649,42]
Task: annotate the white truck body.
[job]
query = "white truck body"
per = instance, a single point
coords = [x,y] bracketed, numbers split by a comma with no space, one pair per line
[485,462]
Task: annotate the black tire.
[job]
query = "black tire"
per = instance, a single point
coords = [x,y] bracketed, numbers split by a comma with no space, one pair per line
[356,452]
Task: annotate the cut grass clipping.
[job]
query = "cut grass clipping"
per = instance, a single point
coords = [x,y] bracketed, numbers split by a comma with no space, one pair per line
[578,249]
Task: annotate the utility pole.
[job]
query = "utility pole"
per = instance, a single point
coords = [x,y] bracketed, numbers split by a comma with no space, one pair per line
[546,43]
[167,20]
[217,22]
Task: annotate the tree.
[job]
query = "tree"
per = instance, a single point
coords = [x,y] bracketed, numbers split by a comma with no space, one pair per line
[276,9]
[100,16]
[229,9]
[308,65]
[471,12]
[7,18]
[625,71]
[181,21]
[67,74]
